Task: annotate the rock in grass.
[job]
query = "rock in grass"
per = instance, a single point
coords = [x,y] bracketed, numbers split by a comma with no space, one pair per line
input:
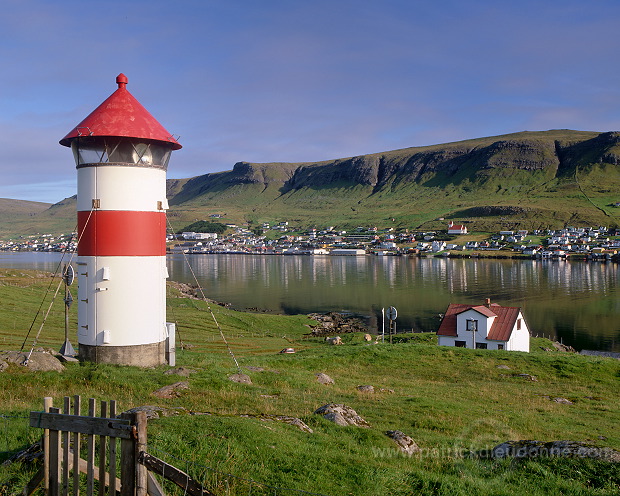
[341,415]
[563,401]
[563,348]
[39,361]
[300,424]
[171,390]
[155,412]
[528,377]
[182,371]
[367,388]
[322,378]
[404,442]
[240,378]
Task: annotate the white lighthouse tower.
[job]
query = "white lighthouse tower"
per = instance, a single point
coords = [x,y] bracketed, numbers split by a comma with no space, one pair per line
[121,153]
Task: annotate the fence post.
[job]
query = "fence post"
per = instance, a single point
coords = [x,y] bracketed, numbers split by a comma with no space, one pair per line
[47,404]
[77,404]
[65,449]
[128,461]
[112,455]
[102,453]
[54,462]
[141,471]
[90,456]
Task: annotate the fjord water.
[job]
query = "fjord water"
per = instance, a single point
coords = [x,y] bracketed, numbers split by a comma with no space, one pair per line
[577,303]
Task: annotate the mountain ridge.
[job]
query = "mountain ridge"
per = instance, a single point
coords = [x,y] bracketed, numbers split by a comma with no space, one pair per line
[529,179]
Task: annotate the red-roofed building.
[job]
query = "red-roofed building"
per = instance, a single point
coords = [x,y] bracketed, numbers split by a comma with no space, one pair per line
[456,228]
[489,326]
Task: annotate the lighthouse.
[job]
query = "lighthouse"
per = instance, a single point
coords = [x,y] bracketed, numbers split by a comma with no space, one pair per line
[121,154]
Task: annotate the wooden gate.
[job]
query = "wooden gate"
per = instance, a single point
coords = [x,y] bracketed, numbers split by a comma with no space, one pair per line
[68,434]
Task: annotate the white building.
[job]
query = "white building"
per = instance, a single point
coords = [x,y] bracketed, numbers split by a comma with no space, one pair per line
[195,235]
[489,326]
[437,246]
[456,228]
[347,252]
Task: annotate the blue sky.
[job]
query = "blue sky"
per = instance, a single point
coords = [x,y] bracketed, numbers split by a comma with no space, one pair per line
[291,81]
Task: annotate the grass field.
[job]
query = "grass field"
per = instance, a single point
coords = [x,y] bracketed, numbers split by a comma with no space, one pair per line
[448,400]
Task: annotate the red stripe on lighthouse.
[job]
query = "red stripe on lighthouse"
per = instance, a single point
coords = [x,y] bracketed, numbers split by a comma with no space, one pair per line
[121,233]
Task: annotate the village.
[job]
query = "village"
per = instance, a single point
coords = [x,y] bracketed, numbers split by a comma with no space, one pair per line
[591,243]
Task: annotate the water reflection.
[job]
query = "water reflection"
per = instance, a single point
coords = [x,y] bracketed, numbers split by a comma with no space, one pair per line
[577,302]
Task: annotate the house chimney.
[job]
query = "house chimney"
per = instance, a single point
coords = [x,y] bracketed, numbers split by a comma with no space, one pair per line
[487,303]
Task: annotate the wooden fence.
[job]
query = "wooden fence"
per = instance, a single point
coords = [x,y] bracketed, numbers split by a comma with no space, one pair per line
[113,445]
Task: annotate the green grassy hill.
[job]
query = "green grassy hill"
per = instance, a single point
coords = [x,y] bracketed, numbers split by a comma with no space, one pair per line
[449,400]
[41,218]
[524,180]
[19,212]
[528,180]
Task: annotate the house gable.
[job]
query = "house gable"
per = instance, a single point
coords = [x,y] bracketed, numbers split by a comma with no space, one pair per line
[498,326]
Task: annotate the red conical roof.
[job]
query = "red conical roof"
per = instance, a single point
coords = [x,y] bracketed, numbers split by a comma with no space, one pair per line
[121,115]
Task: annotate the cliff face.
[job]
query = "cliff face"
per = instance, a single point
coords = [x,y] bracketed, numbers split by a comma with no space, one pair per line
[529,179]
[554,173]
[474,160]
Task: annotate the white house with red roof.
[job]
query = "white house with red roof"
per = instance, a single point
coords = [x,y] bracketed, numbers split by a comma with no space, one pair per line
[489,327]
[456,228]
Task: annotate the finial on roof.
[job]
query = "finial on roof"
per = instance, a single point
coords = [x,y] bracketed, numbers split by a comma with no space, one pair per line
[121,80]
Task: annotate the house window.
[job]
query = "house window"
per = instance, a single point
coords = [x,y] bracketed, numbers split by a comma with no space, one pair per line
[500,346]
[518,324]
[471,325]
[459,344]
[481,346]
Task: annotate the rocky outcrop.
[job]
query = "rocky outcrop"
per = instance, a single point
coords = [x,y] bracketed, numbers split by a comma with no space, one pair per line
[335,323]
[38,361]
[406,445]
[240,378]
[297,422]
[563,348]
[171,390]
[155,412]
[366,388]
[181,371]
[342,415]
[322,378]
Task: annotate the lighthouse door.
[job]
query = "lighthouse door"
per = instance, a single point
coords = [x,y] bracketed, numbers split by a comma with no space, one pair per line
[83,300]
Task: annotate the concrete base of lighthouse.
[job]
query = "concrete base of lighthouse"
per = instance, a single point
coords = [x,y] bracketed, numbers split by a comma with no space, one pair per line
[143,355]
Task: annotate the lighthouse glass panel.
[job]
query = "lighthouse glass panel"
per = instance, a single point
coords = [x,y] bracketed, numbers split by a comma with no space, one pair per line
[111,150]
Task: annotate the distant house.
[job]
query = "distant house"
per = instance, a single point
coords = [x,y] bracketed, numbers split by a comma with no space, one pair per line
[456,228]
[489,326]
[437,246]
